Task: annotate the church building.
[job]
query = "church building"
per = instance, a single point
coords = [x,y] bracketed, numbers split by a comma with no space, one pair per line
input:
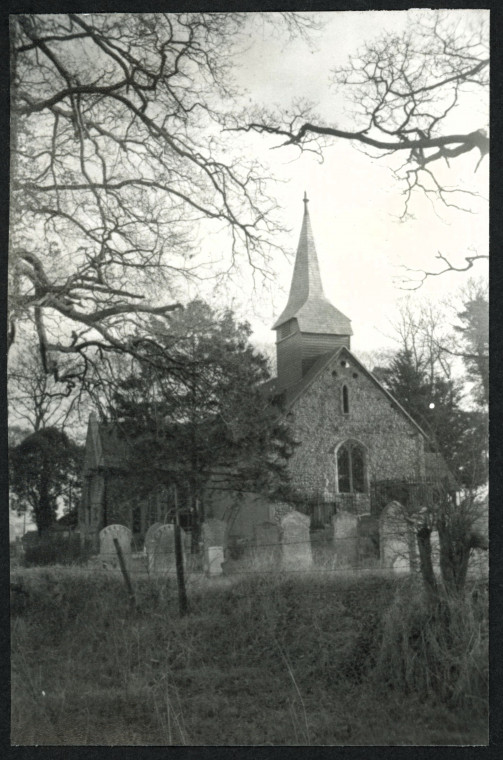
[352,434]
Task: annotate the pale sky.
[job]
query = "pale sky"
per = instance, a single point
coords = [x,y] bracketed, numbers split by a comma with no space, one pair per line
[354,200]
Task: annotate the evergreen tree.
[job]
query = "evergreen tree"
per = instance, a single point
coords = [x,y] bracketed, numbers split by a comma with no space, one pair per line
[199,407]
[45,470]
[474,331]
[434,403]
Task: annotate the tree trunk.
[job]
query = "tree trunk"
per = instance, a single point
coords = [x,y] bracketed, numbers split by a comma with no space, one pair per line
[425,562]
[180,576]
[454,557]
[43,514]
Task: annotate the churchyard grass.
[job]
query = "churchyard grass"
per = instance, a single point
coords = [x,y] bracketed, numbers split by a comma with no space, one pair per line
[270,659]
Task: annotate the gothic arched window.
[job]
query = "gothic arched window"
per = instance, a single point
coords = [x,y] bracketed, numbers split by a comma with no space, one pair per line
[351,468]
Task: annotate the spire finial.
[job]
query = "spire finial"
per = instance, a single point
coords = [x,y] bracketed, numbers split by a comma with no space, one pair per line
[306,201]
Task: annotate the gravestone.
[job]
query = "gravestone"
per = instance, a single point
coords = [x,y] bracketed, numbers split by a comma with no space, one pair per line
[395,538]
[164,560]
[108,554]
[345,540]
[149,545]
[215,560]
[213,541]
[267,544]
[296,551]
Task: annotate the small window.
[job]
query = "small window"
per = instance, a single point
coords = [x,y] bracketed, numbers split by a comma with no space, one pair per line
[345,399]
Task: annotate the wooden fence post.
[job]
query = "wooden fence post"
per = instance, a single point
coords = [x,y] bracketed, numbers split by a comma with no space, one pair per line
[180,576]
[127,579]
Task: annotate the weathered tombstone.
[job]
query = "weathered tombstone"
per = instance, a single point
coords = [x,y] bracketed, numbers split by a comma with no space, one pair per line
[149,545]
[395,538]
[296,542]
[214,541]
[164,550]
[215,560]
[108,553]
[267,544]
[346,540]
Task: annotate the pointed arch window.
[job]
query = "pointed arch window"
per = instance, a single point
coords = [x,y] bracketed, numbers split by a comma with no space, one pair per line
[351,462]
[345,399]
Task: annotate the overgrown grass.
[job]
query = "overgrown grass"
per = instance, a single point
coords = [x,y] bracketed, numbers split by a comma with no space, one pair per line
[304,660]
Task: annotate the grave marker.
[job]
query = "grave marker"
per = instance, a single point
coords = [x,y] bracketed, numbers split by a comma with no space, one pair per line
[267,544]
[108,554]
[296,542]
[213,541]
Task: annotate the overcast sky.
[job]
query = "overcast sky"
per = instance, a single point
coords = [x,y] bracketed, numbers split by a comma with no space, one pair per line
[354,200]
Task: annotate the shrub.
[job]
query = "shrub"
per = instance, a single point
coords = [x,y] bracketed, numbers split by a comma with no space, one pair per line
[439,651]
[54,549]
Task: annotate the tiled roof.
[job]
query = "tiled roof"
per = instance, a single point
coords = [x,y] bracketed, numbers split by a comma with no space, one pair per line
[307,301]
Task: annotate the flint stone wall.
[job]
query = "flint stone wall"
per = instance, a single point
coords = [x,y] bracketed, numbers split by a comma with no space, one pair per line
[395,446]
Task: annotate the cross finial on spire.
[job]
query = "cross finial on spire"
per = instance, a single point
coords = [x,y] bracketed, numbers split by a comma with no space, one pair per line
[306,201]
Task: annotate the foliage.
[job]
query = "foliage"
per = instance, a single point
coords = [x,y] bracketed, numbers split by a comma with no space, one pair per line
[440,652]
[474,333]
[435,403]
[54,549]
[198,407]
[45,470]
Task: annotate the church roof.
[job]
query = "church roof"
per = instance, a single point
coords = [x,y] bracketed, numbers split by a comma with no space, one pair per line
[307,301]
[295,391]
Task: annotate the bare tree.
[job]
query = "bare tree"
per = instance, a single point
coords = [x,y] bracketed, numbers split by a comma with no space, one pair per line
[404,93]
[36,399]
[117,158]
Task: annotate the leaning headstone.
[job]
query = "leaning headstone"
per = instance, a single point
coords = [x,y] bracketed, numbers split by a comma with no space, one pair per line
[394,538]
[346,540]
[213,541]
[267,544]
[149,545]
[295,542]
[108,553]
[164,550]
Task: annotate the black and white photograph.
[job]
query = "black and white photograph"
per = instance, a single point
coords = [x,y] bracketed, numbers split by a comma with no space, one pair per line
[248,378]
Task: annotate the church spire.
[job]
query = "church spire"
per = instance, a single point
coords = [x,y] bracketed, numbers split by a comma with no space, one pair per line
[307,301]
[309,325]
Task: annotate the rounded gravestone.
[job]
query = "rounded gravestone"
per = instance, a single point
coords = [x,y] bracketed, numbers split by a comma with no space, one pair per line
[108,553]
